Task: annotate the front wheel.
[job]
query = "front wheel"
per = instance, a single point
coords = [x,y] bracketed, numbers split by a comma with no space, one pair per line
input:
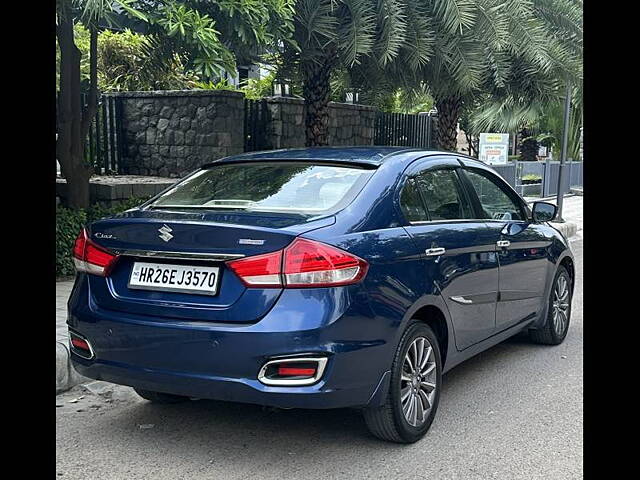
[554,330]
[414,391]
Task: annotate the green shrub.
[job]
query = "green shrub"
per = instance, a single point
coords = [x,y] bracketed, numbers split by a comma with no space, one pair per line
[69,223]
[530,178]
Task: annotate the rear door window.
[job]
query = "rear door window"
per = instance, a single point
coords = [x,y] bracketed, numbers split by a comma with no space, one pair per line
[443,194]
[304,188]
[411,202]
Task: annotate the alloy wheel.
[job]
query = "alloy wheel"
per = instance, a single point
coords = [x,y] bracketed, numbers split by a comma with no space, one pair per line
[561,303]
[418,382]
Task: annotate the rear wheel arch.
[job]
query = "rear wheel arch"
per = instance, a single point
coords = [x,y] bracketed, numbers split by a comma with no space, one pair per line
[435,318]
[567,262]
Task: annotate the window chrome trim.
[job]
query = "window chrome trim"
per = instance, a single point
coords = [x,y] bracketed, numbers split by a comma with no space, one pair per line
[457,220]
[214,257]
[469,220]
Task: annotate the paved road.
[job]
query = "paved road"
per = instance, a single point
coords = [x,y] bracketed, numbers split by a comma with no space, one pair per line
[512,412]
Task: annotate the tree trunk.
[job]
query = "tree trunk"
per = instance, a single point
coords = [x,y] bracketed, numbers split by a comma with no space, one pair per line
[70,143]
[448,116]
[473,145]
[92,101]
[528,146]
[317,91]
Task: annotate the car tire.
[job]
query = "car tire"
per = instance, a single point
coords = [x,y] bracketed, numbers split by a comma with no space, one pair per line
[389,421]
[159,397]
[556,325]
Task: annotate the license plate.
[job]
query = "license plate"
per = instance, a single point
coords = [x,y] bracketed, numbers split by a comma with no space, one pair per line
[174,278]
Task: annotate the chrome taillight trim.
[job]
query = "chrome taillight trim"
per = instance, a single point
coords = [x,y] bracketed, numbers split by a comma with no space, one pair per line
[320,361]
[218,257]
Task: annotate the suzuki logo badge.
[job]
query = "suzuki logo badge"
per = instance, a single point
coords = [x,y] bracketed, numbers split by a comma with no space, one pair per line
[165,233]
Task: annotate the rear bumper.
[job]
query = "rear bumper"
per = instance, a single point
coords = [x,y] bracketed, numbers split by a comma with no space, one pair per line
[227,389]
[222,361]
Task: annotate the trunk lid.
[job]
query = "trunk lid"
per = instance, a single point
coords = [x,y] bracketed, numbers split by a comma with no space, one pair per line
[192,238]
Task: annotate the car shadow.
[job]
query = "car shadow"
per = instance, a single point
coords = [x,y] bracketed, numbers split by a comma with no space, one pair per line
[200,427]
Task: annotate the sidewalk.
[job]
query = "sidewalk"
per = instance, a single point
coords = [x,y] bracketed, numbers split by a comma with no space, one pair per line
[67,377]
[571,213]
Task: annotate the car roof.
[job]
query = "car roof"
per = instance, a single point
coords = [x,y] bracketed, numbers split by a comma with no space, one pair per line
[364,155]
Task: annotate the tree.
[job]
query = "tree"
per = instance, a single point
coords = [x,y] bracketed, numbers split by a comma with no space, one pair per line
[74,118]
[532,104]
[124,63]
[176,30]
[491,47]
[458,48]
[331,35]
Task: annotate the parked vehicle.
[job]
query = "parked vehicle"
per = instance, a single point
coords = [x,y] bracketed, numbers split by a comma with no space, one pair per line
[318,278]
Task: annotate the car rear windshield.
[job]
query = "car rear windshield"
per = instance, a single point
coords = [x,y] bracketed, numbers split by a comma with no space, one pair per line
[304,188]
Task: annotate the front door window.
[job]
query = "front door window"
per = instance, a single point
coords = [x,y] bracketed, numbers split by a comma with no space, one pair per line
[495,202]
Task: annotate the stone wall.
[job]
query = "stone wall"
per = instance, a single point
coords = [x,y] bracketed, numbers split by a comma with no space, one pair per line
[110,190]
[171,133]
[348,124]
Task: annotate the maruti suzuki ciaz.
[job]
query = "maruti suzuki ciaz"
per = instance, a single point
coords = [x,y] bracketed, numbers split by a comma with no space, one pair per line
[318,278]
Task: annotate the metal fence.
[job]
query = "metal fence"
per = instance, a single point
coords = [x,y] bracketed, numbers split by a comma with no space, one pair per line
[404,129]
[540,179]
[255,122]
[105,142]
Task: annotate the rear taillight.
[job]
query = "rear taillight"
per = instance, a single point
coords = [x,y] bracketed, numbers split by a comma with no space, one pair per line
[304,263]
[259,271]
[90,258]
[308,263]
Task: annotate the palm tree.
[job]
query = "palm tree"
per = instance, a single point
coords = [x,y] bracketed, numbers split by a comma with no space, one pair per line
[495,47]
[332,34]
[459,48]
[534,102]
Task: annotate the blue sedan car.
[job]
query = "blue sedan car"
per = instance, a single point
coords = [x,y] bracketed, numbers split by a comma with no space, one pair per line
[318,278]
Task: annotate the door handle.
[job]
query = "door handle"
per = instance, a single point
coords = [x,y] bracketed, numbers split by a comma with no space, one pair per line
[503,243]
[434,252]
[464,301]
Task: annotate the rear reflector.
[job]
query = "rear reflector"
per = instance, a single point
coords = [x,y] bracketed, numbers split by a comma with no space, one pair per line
[293,371]
[304,263]
[91,258]
[285,371]
[80,345]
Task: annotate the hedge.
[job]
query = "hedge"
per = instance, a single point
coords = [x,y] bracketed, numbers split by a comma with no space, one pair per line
[69,223]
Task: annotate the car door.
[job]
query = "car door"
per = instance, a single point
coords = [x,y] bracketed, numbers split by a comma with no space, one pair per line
[458,250]
[521,245]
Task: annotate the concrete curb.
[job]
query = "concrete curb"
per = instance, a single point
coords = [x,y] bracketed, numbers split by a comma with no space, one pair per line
[568,229]
[66,376]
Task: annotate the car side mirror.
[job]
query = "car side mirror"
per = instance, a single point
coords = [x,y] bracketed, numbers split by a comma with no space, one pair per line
[544,212]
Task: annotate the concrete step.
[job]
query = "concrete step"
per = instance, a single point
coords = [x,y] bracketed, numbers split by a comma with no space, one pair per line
[568,229]
[66,376]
